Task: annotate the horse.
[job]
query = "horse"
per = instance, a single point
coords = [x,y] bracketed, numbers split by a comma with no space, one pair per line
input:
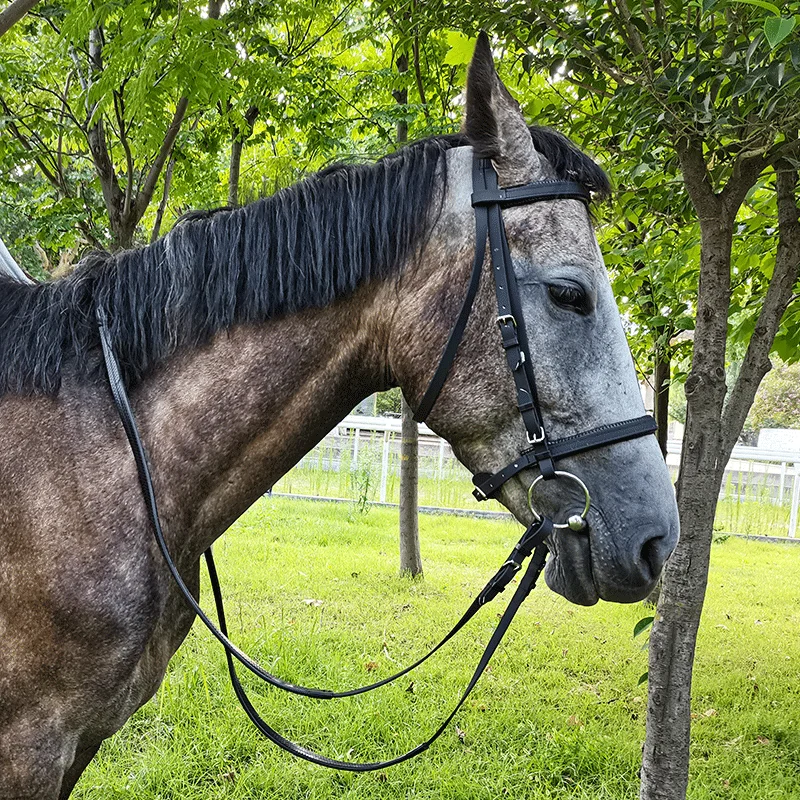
[243,337]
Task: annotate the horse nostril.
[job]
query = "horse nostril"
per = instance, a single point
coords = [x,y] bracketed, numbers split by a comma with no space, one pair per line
[655,552]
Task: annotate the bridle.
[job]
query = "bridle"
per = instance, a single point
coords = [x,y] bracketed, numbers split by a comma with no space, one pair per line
[488,201]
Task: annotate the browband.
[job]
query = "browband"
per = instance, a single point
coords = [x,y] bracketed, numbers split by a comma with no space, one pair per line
[530,193]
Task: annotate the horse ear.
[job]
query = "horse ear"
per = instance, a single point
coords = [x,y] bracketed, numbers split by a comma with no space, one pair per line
[494,124]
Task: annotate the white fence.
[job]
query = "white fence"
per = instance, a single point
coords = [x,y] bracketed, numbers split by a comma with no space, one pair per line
[360,460]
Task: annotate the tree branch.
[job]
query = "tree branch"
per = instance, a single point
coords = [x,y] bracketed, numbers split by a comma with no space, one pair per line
[49,173]
[697,179]
[149,186]
[14,13]
[418,76]
[592,53]
[746,171]
[119,111]
[96,137]
[756,362]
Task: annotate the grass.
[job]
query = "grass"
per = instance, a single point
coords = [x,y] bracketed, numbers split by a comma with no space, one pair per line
[313,592]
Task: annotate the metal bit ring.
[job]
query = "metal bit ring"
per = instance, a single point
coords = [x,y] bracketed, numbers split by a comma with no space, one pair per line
[576,522]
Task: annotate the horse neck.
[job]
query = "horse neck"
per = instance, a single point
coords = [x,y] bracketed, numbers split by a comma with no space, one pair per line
[224,421]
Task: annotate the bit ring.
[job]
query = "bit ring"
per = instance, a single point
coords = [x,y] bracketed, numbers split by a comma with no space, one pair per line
[576,522]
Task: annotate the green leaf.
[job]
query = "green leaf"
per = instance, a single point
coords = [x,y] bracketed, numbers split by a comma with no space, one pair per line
[762,4]
[461,48]
[777,28]
[641,626]
[643,678]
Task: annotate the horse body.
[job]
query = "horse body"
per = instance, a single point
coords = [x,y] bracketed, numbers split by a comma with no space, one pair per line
[89,617]
[85,595]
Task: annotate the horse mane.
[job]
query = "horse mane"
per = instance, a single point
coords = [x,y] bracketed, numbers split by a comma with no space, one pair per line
[300,248]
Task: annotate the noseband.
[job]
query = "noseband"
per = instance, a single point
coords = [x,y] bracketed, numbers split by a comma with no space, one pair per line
[488,201]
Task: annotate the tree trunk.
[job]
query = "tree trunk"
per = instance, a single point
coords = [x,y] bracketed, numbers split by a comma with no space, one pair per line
[233,175]
[711,430]
[410,558]
[661,376]
[401,98]
[665,760]
[237,145]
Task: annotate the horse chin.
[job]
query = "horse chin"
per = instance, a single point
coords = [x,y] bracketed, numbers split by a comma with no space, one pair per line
[569,568]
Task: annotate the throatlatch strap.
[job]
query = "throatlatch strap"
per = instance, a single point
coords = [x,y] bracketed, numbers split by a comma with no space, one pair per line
[457,331]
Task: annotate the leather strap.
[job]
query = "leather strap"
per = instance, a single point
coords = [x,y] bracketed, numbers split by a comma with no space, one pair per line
[524,588]
[486,485]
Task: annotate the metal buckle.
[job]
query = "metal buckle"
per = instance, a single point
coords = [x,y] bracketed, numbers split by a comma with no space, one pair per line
[538,439]
[504,318]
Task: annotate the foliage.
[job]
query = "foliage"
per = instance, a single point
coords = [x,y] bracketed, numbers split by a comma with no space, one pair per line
[87,94]
[777,404]
[388,403]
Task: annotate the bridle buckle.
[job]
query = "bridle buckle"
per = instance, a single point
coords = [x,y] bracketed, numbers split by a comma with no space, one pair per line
[505,318]
[536,438]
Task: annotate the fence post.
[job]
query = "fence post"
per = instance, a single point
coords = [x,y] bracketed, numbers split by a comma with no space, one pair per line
[795,502]
[783,483]
[384,465]
[356,437]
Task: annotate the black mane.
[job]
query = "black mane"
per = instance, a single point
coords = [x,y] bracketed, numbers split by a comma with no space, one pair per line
[301,248]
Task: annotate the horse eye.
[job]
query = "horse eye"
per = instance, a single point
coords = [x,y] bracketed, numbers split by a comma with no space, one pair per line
[568,295]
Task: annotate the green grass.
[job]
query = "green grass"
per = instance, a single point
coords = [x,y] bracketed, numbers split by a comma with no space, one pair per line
[559,714]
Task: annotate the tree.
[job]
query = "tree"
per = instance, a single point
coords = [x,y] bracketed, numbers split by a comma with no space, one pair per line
[410,557]
[112,85]
[777,402]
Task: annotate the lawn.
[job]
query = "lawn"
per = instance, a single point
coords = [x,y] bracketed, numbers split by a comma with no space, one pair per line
[314,594]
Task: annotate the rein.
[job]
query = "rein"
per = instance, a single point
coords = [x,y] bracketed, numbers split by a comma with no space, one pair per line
[488,201]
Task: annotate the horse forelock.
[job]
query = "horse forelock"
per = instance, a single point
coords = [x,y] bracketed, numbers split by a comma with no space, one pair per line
[303,247]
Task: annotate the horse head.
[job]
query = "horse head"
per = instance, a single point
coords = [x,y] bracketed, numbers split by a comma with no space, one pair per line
[584,374]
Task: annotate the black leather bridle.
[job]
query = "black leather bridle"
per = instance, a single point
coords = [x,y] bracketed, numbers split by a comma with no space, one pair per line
[488,201]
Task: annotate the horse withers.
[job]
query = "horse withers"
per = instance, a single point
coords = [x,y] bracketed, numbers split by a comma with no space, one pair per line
[244,336]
